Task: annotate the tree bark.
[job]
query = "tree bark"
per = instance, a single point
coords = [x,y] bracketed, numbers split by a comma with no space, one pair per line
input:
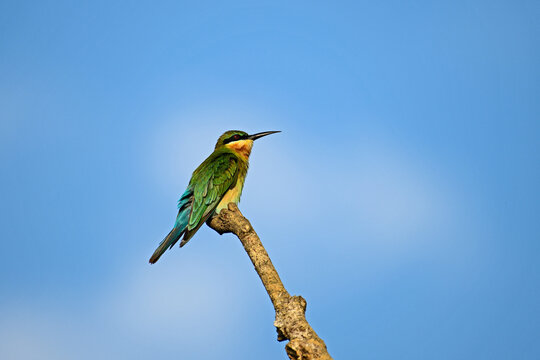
[290,323]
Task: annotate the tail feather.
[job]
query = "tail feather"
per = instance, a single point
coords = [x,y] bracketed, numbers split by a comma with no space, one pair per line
[179,229]
[166,243]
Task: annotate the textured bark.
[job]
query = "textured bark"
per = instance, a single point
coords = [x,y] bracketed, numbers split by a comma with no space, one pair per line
[291,323]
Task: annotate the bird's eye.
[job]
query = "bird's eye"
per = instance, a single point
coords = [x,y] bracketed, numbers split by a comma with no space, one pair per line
[232,138]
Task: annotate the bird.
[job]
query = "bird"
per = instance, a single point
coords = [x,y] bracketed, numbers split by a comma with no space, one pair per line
[218,181]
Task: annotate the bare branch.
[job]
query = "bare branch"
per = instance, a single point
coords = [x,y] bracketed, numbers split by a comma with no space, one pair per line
[290,323]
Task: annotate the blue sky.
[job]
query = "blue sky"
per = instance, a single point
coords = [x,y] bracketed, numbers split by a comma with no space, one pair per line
[401,199]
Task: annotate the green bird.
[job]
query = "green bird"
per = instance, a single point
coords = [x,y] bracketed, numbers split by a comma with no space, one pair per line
[217,182]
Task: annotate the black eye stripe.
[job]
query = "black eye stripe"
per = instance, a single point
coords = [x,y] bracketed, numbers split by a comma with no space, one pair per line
[235,137]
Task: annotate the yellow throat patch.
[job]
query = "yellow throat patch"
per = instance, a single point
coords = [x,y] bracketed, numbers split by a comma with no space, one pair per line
[241,147]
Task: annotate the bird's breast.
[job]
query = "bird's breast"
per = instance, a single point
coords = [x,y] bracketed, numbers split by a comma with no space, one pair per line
[232,195]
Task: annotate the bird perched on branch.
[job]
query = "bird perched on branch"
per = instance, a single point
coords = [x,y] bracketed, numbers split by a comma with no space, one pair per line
[217,182]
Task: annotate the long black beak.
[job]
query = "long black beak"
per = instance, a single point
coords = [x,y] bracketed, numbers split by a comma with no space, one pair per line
[261,134]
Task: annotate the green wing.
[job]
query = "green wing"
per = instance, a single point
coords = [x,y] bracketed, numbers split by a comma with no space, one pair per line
[212,179]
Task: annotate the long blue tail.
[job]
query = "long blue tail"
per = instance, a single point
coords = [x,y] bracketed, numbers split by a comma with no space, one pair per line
[184,210]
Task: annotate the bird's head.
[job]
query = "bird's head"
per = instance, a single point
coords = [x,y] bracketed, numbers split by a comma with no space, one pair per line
[239,141]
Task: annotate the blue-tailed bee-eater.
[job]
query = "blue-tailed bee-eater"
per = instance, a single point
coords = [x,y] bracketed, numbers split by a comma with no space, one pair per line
[217,182]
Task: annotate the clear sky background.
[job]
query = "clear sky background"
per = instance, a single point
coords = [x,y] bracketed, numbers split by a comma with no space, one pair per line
[401,200]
